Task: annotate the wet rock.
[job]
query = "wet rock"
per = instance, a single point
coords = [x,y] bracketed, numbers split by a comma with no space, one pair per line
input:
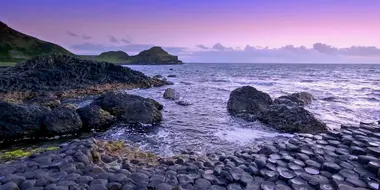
[299,98]
[248,100]
[98,187]
[130,108]
[184,179]
[9,186]
[234,186]
[60,121]
[202,183]
[164,186]
[172,76]
[93,116]
[331,167]
[18,120]
[292,119]
[171,94]
[183,103]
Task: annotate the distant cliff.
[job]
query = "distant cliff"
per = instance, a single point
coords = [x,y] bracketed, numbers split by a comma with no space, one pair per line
[16,46]
[153,56]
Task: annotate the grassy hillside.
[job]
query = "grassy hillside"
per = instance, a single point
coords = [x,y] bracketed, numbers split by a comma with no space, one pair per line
[16,46]
[154,55]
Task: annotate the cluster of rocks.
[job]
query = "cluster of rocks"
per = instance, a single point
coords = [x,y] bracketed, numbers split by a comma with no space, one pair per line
[344,159]
[285,113]
[18,121]
[65,75]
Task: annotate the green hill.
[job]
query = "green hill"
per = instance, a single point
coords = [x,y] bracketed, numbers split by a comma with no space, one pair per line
[153,56]
[16,46]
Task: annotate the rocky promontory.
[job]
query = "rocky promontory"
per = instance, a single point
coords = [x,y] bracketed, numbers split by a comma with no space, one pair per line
[59,75]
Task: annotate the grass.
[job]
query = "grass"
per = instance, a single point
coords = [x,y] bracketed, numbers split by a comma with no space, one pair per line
[21,153]
[6,64]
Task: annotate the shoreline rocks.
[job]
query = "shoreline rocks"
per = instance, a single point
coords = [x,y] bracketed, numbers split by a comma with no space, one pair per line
[285,113]
[20,121]
[65,75]
[342,159]
[131,109]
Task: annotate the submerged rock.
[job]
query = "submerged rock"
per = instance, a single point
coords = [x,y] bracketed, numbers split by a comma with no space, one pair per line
[19,120]
[130,108]
[292,119]
[93,116]
[62,120]
[248,100]
[172,76]
[171,94]
[183,103]
[299,98]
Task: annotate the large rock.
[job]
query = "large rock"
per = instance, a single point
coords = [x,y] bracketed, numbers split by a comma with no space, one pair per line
[130,108]
[93,116]
[248,100]
[171,94]
[299,98]
[292,119]
[61,120]
[19,120]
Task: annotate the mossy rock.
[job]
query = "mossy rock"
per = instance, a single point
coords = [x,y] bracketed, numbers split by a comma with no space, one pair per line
[21,153]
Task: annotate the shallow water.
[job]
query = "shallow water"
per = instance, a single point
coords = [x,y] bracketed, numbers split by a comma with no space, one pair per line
[345,94]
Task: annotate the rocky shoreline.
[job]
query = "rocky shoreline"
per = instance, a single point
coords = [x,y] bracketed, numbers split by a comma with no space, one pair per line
[344,159]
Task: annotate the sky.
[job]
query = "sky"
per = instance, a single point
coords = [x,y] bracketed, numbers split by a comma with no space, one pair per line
[207,30]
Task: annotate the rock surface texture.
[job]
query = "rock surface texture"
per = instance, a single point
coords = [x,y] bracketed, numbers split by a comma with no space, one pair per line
[65,75]
[344,159]
[171,94]
[130,108]
[285,114]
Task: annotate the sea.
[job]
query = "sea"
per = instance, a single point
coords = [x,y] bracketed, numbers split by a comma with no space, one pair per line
[344,94]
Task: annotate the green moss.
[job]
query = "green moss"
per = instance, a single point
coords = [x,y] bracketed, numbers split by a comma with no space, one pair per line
[20,153]
[7,64]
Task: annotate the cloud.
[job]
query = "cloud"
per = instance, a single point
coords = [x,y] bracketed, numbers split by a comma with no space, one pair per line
[220,47]
[72,34]
[360,51]
[114,40]
[200,46]
[125,41]
[86,37]
[324,48]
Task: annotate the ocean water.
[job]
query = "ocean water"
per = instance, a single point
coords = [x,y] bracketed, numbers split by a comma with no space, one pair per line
[345,94]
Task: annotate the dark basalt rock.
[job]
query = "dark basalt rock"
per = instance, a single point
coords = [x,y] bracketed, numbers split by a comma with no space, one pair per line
[171,94]
[60,121]
[18,121]
[57,73]
[299,98]
[292,119]
[248,100]
[93,116]
[130,108]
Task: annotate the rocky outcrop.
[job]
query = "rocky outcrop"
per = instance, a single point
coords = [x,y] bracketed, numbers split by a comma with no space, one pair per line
[93,116]
[61,121]
[284,114]
[299,98]
[247,100]
[171,94]
[130,108]
[63,74]
[18,121]
[155,56]
[294,119]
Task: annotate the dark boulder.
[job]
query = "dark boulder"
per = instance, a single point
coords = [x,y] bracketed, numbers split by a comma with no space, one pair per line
[171,94]
[19,120]
[61,121]
[172,76]
[247,100]
[183,103]
[292,119]
[46,100]
[93,116]
[130,108]
[299,98]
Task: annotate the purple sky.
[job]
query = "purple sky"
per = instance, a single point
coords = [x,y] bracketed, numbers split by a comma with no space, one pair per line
[210,31]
